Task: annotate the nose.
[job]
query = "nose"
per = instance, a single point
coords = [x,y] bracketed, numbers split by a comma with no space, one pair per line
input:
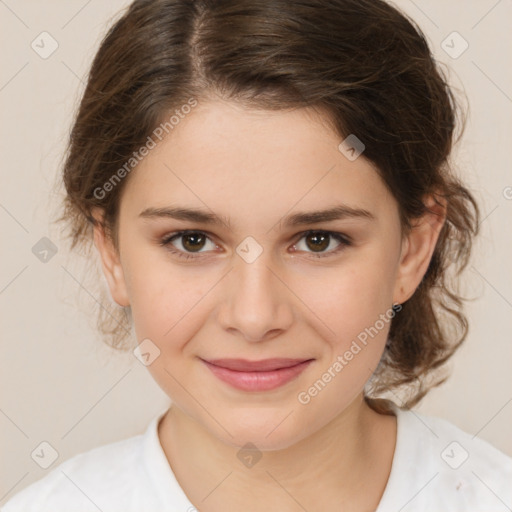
[257,301]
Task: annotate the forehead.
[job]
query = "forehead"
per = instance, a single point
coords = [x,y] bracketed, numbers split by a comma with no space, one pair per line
[254,164]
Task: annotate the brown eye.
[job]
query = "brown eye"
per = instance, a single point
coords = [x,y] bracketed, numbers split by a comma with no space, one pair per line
[193,242]
[187,243]
[317,243]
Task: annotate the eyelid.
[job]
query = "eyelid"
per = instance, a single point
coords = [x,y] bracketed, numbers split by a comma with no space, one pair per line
[342,238]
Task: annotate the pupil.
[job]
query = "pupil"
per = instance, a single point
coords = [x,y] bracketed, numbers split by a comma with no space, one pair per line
[196,238]
[321,241]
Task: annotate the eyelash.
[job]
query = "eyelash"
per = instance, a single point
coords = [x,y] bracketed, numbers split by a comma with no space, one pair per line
[343,239]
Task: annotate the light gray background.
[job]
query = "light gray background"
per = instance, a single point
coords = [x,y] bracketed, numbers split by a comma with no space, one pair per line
[60,384]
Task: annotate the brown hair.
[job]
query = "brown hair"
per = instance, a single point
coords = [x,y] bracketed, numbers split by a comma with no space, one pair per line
[361,62]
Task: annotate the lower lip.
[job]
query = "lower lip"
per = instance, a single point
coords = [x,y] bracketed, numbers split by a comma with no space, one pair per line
[258,381]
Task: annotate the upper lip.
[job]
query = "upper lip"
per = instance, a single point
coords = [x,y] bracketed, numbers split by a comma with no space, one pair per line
[243,365]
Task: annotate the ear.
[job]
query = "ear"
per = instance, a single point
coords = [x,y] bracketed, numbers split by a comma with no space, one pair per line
[418,247]
[110,261]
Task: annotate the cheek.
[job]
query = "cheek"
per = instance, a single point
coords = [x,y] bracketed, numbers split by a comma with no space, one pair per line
[168,308]
[357,307]
[353,296]
[164,302]
[171,304]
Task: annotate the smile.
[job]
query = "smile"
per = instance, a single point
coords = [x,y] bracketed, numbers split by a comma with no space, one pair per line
[262,375]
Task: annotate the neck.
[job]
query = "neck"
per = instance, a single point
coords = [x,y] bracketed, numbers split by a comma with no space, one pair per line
[348,460]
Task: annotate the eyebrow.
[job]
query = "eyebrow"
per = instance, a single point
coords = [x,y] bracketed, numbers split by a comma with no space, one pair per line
[339,212]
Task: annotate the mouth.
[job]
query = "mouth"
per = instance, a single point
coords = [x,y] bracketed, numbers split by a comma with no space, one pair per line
[263,375]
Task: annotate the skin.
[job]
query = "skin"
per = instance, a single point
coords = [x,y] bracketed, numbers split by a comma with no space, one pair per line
[255,168]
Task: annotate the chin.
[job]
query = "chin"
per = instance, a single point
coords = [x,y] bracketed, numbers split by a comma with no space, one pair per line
[268,429]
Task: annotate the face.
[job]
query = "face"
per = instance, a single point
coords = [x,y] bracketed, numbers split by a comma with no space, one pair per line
[255,279]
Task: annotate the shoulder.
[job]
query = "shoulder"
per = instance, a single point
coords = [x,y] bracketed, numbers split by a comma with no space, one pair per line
[127,475]
[132,475]
[83,480]
[438,465]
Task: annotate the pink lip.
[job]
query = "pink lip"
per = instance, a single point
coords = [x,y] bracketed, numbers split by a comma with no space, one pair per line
[257,375]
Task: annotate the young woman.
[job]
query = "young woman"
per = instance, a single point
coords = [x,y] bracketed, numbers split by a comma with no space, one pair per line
[267,185]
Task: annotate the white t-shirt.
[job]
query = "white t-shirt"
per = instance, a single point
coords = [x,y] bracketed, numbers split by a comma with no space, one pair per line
[436,468]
